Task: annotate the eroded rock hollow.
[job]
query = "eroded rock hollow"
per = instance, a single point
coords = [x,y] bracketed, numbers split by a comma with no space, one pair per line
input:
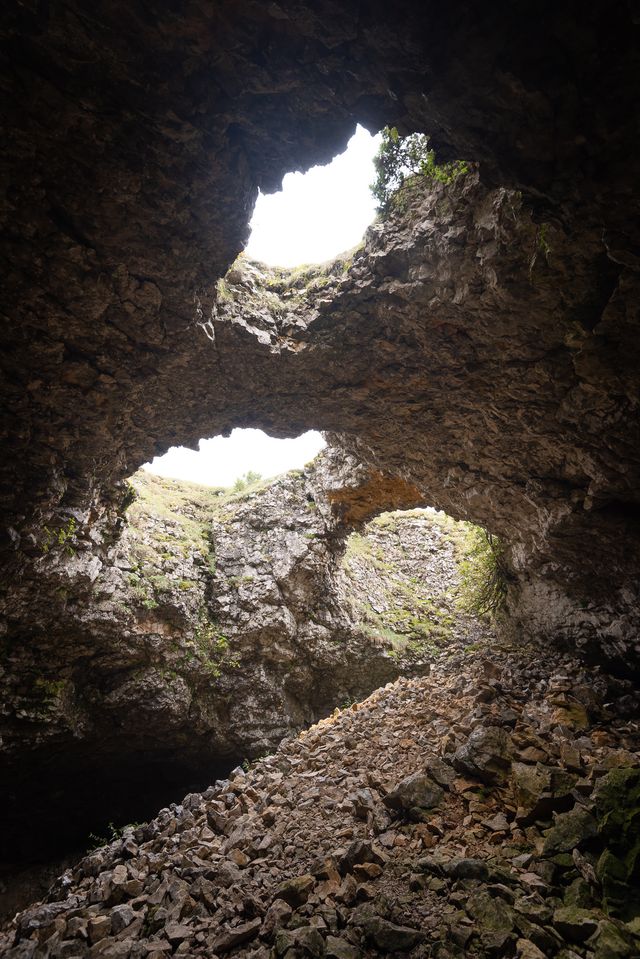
[479,353]
[216,626]
[483,347]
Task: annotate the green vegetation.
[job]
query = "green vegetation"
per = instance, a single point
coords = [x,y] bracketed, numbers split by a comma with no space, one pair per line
[130,495]
[400,158]
[60,537]
[223,291]
[114,833]
[408,617]
[484,573]
[180,515]
[250,478]
[185,508]
[295,285]
[47,694]
[50,688]
[171,521]
[404,608]
[211,647]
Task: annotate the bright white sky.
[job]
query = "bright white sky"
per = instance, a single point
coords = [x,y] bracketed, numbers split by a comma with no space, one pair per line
[320,213]
[316,216]
[220,461]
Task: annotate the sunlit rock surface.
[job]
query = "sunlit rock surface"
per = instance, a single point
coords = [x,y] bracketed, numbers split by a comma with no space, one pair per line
[477,355]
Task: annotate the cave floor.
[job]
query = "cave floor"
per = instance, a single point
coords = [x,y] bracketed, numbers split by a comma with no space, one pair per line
[465,813]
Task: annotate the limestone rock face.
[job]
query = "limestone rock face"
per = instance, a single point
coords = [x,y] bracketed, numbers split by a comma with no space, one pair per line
[215,625]
[451,355]
[469,390]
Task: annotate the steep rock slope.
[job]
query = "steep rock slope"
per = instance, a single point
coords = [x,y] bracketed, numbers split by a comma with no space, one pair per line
[489,809]
[216,625]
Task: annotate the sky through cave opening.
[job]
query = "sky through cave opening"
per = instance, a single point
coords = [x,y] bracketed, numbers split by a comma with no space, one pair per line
[316,216]
[221,461]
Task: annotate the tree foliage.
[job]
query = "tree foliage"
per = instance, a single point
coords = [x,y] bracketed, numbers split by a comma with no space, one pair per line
[248,479]
[484,574]
[399,158]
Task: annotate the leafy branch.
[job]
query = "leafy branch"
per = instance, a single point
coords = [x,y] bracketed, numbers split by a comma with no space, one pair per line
[399,158]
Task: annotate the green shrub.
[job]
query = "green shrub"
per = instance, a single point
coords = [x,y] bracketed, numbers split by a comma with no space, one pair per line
[62,537]
[248,479]
[399,158]
[484,574]
[114,833]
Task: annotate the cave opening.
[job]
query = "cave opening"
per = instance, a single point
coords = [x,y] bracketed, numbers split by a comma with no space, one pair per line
[225,461]
[483,350]
[320,213]
[238,619]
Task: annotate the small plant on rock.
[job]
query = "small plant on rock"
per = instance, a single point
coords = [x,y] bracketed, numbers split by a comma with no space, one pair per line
[61,538]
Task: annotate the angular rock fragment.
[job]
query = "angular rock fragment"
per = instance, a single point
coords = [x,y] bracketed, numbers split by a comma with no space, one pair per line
[613,941]
[466,869]
[306,939]
[575,924]
[487,754]
[569,830]
[525,949]
[494,918]
[540,790]
[340,949]
[389,937]
[414,794]
[236,936]
[360,852]
[295,891]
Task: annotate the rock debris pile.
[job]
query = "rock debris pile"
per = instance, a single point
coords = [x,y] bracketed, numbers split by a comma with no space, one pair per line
[214,626]
[489,809]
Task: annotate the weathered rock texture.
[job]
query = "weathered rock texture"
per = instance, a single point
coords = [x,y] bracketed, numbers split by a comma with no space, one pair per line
[489,809]
[467,335]
[484,347]
[215,626]
[480,354]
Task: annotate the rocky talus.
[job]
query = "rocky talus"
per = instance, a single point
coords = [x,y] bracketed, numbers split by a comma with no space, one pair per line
[488,809]
[214,626]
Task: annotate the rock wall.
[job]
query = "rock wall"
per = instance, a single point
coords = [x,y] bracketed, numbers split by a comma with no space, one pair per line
[487,364]
[498,366]
[479,354]
[216,625]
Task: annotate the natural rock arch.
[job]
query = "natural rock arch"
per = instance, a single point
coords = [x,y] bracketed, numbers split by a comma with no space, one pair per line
[136,148]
